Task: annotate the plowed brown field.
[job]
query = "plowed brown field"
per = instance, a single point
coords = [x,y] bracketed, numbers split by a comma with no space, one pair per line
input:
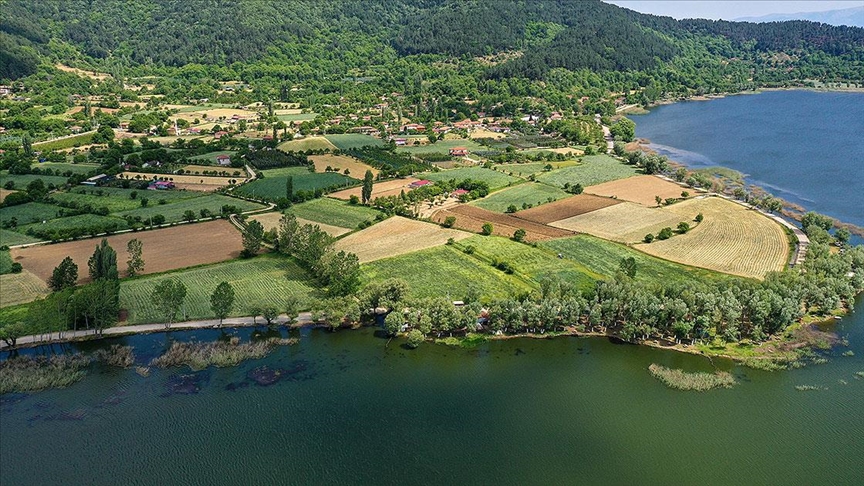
[379,189]
[471,218]
[164,249]
[639,189]
[565,208]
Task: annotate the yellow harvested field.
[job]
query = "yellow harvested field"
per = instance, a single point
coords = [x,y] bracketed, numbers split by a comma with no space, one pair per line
[20,288]
[379,189]
[308,143]
[292,111]
[639,189]
[626,222]
[731,239]
[565,151]
[4,193]
[233,172]
[216,114]
[355,168]
[396,236]
[188,182]
[482,133]
[271,220]
[80,72]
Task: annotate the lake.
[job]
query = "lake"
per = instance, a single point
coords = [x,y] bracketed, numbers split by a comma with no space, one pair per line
[803,146]
[355,410]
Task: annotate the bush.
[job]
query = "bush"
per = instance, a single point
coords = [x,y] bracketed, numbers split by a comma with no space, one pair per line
[648,238]
[415,338]
[519,235]
[683,227]
[449,221]
[665,233]
[487,229]
[699,218]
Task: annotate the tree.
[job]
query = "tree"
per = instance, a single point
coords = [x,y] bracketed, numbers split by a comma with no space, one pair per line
[135,263]
[842,236]
[340,272]
[367,187]
[449,221]
[683,227]
[415,338]
[252,238]
[665,233]
[292,308]
[11,332]
[168,296]
[487,229]
[648,238]
[289,188]
[222,300]
[393,323]
[64,276]
[519,235]
[699,218]
[628,267]
[103,263]
[269,313]
[189,215]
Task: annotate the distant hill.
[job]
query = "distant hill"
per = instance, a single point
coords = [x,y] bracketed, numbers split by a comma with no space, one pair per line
[853,17]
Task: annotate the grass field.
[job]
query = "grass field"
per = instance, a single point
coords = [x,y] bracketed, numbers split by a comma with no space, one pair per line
[445,271]
[642,189]
[20,288]
[308,143]
[5,262]
[441,147]
[531,193]
[31,212]
[339,163]
[64,143]
[11,238]
[211,157]
[379,189]
[347,141]
[272,186]
[79,221]
[272,220]
[530,262]
[174,211]
[21,180]
[496,180]
[64,167]
[732,239]
[264,280]
[292,117]
[333,212]
[594,169]
[604,257]
[396,236]
[530,168]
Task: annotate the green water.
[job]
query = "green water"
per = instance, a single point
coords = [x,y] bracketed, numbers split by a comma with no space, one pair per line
[522,411]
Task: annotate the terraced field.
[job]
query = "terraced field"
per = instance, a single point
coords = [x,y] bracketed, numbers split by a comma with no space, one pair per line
[396,236]
[641,189]
[531,193]
[565,208]
[470,218]
[594,169]
[626,222]
[260,281]
[731,239]
[495,179]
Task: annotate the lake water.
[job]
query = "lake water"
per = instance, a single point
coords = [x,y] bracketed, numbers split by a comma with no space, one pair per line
[521,411]
[803,146]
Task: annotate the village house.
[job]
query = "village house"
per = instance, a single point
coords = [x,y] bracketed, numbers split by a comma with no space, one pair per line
[223,160]
[458,152]
[423,183]
[160,185]
[96,180]
[219,135]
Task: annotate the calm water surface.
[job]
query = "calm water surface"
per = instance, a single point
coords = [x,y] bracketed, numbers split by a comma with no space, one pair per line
[803,146]
[353,410]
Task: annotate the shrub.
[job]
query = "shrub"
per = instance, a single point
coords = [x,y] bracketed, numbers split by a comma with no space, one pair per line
[415,338]
[487,229]
[683,227]
[665,233]
[699,218]
[519,235]
[512,208]
[648,238]
[449,221]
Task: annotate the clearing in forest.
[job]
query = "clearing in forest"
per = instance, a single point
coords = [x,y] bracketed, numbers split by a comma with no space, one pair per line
[379,189]
[164,249]
[471,218]
[731,239]
[396,236]
[565,208]
[340,163]
[642,189]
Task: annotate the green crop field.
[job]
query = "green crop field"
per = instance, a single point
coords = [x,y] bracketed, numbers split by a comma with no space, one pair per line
[76,141]
[297,117]
[272,186]
[530,262]
[496,180]
[445,271]
[308,143]
[265,280]
[12,238]
[210,159]
[115,204]
[348,141]
[95,222]
[605,257]
[531,193]
[118,200]
[174,211]
[31,212]
[333,212]
[441,146]
[527,169]
[21,180]
[594,169]
[65,167]
[5,262]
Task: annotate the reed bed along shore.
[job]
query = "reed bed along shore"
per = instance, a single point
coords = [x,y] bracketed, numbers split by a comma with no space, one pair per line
[699,381]
[33,373]
[199,356]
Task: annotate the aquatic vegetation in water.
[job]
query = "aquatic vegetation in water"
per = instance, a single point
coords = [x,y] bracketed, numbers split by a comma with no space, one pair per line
[764,364]
[859,374]
[809,388]
[116,355]
[221,354]
[849,353]
[29,373]
[699,381]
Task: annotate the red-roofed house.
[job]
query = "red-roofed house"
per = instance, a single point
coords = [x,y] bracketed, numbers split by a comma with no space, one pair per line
[223,160]
[218,135]
[458,151]
[416,184]
[459,193]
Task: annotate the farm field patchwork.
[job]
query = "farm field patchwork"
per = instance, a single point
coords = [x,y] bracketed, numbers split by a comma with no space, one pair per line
[164,249]
[625,222]
[174,211]
[642,189]
[471,218]
[271,221]
[272,186]
[346,141]
[392,187]
[261,281]
[333,212]
[594,169]
[339,163]
[565,208]
[732,239]
[308,143]
[20,288]
[530,193]
[446,271]
[396,236]
[496,180]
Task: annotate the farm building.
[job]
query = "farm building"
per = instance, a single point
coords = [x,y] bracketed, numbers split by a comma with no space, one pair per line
[223,160]
[219,135]
[96,180]
[416,184]
[458,151]
[161,185]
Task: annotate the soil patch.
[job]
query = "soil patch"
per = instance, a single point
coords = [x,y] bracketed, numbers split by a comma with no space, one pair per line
[565,208]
